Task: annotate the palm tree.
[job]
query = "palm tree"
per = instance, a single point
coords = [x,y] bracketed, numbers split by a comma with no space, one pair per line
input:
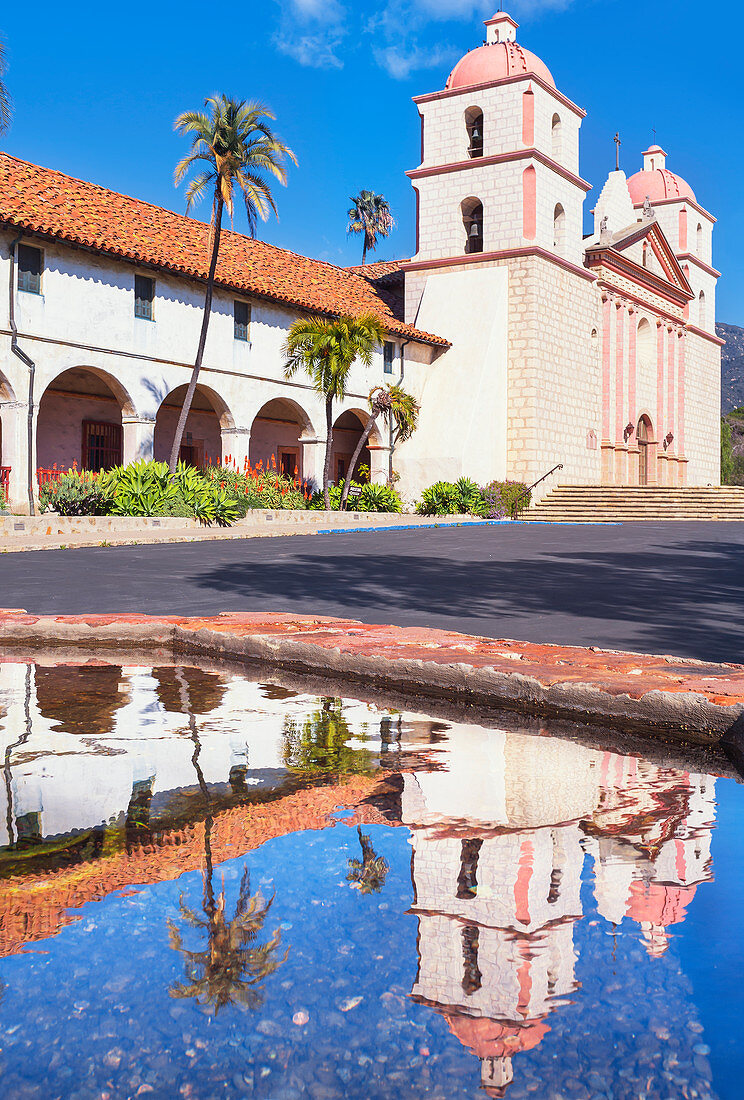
[368,874]
[232,967]
[6,103]
[325,350]
[236,143]
[371,216]
[399,409]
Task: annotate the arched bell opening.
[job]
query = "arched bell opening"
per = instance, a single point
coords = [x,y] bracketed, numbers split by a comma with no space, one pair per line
[472,220]
[474,127]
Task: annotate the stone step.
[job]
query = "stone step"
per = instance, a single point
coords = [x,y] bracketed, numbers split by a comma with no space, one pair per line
[629,503]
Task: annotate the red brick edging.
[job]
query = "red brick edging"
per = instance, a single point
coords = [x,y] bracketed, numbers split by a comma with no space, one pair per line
[691,699]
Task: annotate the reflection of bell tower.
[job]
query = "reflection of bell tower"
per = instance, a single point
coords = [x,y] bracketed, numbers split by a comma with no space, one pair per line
[650,842]
[496,910]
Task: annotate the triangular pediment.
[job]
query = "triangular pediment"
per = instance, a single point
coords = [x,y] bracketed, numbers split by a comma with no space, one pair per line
[650,232]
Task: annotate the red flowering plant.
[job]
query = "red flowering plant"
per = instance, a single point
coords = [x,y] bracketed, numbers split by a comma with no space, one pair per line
[260,486]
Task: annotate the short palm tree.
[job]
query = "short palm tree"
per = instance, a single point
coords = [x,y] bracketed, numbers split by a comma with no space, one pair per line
[5,100]
[234,141]
[325,350]
[370,215]
[399,409]
[231,966]
[368,874]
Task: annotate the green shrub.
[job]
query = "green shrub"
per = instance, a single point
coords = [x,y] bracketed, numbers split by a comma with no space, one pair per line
[500,498]
[449,498]
[147,489]
[75,494]
[372,498]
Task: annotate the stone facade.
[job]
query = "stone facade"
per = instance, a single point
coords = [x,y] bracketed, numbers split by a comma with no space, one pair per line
[612,366]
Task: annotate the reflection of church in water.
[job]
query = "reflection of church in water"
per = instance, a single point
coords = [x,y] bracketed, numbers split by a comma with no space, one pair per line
[499,841]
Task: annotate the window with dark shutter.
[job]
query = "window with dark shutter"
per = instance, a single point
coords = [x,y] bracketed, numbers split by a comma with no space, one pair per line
[30,263]
[388,354]
[242,314]
[144,294]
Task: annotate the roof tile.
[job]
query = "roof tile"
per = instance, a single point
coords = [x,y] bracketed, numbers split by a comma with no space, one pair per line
[49,203]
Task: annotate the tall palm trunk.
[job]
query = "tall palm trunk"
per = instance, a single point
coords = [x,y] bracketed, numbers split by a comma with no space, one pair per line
[364,251]
[329,448]
[354,458]
[186,409]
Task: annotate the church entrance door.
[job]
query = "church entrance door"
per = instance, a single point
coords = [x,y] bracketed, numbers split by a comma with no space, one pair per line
[642,438]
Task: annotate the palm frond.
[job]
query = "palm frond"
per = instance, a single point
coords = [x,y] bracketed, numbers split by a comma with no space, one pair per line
[6,103]
[235,138]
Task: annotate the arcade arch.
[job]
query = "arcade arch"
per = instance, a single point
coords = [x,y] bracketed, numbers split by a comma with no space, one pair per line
[208,417]
[278,430]
[80,420]
[347,430]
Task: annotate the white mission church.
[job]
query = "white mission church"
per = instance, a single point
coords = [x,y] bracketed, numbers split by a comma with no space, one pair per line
[526,343]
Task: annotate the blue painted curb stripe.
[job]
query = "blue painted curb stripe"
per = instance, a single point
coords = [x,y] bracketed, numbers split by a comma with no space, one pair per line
[467,523]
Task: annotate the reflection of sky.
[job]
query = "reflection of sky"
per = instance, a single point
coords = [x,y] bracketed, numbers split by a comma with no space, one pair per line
[79,996]
[710,945]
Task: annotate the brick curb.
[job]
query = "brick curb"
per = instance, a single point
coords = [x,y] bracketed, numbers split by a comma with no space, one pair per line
[685,699]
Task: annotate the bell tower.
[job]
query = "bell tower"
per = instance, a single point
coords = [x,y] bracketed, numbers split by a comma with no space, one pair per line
[499,158]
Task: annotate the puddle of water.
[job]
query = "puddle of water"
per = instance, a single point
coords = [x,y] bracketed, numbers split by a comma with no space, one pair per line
[212,887]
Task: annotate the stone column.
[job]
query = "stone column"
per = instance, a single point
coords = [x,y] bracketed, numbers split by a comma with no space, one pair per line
[671,404]
[620,448]
[606,441]
[681,349]
[379,463]
[14,419]
[236,445]
[313,460]
[633,450]
[659,425]
[138,438]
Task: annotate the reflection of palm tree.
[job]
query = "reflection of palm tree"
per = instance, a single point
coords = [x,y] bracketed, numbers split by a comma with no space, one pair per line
[368,873]
[321,743]
[232,966]
[7,764]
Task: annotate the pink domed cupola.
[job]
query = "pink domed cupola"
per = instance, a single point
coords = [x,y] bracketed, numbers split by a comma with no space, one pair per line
[656,181]
[500,58]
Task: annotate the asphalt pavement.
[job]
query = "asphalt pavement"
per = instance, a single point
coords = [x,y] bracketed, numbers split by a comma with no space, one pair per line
[673,588]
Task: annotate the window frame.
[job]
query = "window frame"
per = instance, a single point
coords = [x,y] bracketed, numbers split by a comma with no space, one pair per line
[242,325]
[139,315]
[37,289]
[388,367]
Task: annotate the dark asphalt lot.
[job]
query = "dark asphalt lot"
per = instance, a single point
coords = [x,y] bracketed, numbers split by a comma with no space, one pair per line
[652,587]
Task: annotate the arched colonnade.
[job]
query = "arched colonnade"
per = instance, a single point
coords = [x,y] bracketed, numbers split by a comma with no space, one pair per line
[87,417]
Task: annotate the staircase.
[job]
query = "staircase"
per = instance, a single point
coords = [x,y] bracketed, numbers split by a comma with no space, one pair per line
[626,503]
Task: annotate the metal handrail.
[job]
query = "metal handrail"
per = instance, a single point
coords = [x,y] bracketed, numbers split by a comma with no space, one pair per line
[534,485]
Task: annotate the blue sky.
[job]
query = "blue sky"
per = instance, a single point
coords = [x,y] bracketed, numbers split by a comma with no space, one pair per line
[96,88]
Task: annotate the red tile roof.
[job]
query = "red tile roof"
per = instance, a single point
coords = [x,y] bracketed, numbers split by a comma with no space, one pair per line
[379,269]
[49,203]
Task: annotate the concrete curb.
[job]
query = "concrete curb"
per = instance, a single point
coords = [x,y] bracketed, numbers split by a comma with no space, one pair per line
[65,533]
[680,699]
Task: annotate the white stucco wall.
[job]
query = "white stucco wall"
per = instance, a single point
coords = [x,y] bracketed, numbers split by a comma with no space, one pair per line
[462,425]
[84,318]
